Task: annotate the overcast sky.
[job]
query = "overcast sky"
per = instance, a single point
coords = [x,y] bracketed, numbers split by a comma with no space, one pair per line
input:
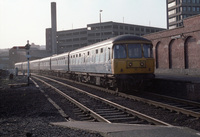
[22,20]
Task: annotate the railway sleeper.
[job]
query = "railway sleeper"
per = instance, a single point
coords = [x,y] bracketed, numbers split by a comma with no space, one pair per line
[117,113]
[196,109]
[120,119]
[139,122]
[115,116]
[108,111]
[86,118]
[104,109]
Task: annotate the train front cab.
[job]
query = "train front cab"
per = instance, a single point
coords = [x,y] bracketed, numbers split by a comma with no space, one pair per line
[132,64]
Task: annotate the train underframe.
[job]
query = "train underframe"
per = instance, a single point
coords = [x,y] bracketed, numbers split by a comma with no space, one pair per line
[119,83]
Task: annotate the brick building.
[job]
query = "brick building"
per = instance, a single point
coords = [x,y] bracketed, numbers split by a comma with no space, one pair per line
[18,54]
[178,50]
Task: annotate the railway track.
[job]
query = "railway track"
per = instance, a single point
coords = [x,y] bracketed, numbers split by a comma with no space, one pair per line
[189,108]
[97,107]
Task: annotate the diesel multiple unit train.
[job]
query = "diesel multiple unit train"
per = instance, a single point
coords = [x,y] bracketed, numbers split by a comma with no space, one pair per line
[120,63]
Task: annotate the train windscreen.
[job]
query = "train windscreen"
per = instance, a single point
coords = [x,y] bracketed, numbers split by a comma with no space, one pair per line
[119,51]
[147,49]
[134,51]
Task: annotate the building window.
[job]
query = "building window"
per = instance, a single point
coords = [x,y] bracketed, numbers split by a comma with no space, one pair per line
[172,12]
[132,28]
[76,33]
[184,8]
[189,8]
[197,1]
[198,9]
[193,9]
[115,26]
[137,29]
[171,4]
[184,1]
[91,34]
[172,27]
[184,16]
[152,30]
[193,1]
[83,32]
[107,27]
[107,33]
[172,19]
[188,1]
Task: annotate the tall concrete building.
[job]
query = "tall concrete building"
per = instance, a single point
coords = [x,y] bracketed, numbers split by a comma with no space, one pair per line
[68,40]
[177,10]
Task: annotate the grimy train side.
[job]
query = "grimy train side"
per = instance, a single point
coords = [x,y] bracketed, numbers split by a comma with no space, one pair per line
[121,63]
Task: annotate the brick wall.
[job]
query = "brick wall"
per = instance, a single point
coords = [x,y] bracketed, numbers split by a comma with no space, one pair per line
[178,50]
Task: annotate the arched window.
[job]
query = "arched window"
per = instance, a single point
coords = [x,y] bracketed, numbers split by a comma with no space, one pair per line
[170,53]
[186,58]
[156,55]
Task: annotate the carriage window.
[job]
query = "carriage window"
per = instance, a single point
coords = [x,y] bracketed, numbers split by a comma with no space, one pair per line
[134,51]
[147,49]
[119,51]
[101,50]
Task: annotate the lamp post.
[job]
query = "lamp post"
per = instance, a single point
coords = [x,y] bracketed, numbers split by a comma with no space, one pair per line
[100,23]
[27,47]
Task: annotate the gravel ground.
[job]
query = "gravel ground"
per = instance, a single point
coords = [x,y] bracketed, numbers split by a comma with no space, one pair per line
[25,111]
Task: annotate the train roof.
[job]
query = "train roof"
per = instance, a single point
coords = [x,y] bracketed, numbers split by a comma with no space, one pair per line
[60,55]
[46,58]
[117,39]
[128,37]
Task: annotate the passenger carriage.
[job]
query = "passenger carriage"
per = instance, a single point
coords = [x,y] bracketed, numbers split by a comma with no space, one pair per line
[120,62]
[35,65]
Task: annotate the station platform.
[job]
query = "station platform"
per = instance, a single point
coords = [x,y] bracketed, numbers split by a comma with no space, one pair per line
[175,85]
[129,130]
[175,77]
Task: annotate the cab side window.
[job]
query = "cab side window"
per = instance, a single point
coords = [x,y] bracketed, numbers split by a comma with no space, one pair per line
[119,52]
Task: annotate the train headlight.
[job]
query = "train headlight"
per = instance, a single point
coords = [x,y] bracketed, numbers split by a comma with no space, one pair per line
[141,63]
[130,64]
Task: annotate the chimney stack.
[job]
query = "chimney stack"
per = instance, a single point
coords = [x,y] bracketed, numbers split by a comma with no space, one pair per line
[53,28]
